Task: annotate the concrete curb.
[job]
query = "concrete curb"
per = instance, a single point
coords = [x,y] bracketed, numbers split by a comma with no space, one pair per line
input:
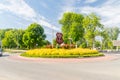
[93,59]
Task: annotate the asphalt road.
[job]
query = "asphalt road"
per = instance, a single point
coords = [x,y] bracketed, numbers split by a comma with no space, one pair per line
[23,70]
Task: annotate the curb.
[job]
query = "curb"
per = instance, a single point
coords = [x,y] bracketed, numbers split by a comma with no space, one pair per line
[91,59]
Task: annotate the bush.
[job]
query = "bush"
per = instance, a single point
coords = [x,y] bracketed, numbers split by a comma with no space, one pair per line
[62,53]
[49,46]
[63,46]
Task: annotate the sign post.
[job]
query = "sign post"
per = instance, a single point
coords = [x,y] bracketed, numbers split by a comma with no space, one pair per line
[59,38]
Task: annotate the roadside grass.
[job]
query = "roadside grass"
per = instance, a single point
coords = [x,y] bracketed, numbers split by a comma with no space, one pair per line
[62,53]
[14,51]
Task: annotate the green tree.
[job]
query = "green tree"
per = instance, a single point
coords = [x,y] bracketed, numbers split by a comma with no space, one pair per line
[66,23]
[114,33]
[18,38]
[46,42]
[72,26]
[106,40]
[108,35]
[9,39]
[93,28]
[34,36]
[2,33]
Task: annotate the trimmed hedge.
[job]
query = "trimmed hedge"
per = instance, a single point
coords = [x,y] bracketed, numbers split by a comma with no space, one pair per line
[62,53]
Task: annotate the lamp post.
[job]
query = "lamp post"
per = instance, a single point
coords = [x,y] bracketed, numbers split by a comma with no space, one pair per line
[0,43]
[52,36]
[101,43]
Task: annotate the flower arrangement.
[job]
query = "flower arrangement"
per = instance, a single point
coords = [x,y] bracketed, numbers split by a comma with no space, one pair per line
[62,53]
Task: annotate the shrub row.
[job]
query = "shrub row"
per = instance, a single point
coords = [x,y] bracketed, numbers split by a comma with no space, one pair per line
[63,46]
[62,53]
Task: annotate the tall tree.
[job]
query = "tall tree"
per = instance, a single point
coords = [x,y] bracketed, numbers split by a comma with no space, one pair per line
[114,33]
[34,36]
[9,39]
[72,26]
[108,35]
[93,28]
[2,33]
[106,40]
[18,38]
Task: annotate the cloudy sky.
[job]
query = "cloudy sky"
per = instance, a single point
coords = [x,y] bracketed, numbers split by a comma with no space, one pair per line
[21,13]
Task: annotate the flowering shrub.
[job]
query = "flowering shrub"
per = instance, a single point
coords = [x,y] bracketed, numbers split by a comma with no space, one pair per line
[67,46]
[49,46]
[62,53]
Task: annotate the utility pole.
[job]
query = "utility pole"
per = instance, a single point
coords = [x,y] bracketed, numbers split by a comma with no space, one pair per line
[52,36]
[0,43]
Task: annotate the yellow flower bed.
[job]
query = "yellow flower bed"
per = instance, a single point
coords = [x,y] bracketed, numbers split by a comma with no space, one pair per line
[62,53]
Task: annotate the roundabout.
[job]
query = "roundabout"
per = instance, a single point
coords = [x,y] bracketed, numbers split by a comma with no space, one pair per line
[63,60]
[15,67]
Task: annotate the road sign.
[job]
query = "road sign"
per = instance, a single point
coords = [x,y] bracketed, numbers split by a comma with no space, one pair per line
[59,38]
[116,42]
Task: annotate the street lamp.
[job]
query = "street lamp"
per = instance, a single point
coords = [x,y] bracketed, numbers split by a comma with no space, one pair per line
[0,43]
[52,36]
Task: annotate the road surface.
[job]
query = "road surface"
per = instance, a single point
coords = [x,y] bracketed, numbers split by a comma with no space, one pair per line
[11,69]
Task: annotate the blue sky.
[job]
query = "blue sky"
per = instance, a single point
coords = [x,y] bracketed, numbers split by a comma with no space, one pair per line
[21,13]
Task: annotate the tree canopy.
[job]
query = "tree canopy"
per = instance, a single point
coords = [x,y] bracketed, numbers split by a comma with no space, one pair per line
[72,26]
[34,36]
[83,29]
[93,27]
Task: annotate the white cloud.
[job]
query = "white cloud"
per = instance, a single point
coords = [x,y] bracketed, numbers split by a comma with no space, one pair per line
[69,6]
[44,23]
[23,10]
[109,12]
[18,7]
[49,33]
[90,1]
